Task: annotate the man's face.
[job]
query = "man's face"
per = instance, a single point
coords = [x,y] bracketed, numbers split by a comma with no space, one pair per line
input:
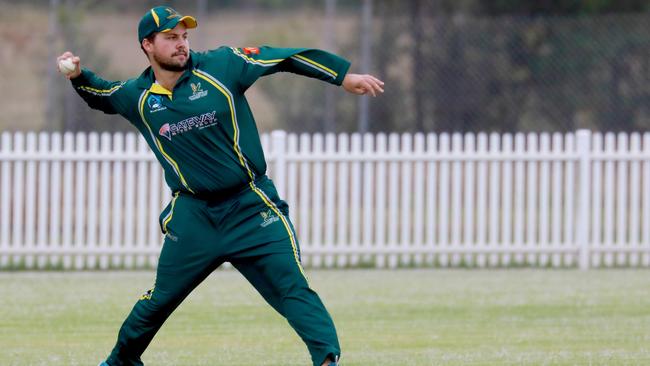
[169,49]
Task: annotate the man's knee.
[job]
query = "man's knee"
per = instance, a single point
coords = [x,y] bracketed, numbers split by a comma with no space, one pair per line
[290,281]
[155,303]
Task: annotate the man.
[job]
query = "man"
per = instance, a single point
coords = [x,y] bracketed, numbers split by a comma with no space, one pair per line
[190,108]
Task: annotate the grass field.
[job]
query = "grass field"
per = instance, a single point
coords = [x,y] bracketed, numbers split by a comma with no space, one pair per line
[403,317]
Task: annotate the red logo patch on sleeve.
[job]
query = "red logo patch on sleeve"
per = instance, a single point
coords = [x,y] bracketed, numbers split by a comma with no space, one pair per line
[251,50]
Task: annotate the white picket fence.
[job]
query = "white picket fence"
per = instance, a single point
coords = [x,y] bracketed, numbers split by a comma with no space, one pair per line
[583,199]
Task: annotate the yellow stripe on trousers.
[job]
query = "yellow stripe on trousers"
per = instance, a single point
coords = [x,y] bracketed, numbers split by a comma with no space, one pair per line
[292,237]
[170,214]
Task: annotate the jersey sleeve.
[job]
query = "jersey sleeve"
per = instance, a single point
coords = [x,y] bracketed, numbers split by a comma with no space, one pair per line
[251,63]
[98,93]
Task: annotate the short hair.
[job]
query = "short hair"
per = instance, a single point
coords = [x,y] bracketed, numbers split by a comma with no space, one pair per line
[150,39]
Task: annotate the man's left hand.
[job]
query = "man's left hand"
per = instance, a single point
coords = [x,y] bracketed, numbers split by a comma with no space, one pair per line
[362,84]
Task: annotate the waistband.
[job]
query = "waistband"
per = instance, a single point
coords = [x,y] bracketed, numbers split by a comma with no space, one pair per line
[224,195]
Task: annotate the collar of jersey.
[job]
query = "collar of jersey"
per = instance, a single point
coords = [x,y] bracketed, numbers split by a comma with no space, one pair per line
[159,89]
[147,79]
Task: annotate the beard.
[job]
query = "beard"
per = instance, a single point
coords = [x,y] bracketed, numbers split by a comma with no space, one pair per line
[170,64]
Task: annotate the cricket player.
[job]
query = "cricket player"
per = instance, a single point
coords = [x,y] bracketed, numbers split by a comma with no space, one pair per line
[190,108]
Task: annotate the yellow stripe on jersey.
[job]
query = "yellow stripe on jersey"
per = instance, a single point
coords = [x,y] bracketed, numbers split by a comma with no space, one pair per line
[317,65]
[233,116]
[257,61]
[159,145]
[266,63]
[101,92]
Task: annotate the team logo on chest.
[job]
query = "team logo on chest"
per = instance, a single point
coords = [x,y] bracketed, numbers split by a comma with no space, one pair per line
[155,103]
[169,130]
[197,92]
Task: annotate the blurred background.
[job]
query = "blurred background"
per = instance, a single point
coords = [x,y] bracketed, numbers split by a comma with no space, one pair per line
[449,66]
[555,196]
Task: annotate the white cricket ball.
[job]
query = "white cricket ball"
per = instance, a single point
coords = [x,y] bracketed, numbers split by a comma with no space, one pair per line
[66,66]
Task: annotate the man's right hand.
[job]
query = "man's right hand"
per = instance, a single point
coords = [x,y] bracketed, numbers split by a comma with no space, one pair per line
[75,60]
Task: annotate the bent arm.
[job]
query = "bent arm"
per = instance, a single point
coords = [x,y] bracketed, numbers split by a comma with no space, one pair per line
[97,92]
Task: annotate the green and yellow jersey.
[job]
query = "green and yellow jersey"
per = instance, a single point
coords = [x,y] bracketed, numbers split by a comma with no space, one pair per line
[203,132]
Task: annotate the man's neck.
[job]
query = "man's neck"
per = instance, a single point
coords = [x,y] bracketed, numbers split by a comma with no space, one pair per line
[166,78]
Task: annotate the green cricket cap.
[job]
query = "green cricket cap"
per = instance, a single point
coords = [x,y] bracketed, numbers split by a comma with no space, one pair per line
[162,19]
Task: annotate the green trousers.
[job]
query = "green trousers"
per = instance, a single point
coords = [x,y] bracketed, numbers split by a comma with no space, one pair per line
[251,230]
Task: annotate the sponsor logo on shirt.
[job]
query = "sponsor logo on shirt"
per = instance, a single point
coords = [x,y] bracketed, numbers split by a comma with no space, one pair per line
[197,92]
[164,131]
[169,130]
[155,103]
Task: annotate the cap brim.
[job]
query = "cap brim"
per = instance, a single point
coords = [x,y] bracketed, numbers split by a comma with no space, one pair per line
[188,21]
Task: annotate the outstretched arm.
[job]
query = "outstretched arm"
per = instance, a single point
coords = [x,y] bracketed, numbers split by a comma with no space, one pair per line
[251,63]
[98,93]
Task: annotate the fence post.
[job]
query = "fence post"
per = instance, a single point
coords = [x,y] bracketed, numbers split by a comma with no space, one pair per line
[583,148]
[279,148]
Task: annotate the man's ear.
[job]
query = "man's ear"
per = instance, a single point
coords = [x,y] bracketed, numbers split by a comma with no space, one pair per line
[147,45]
